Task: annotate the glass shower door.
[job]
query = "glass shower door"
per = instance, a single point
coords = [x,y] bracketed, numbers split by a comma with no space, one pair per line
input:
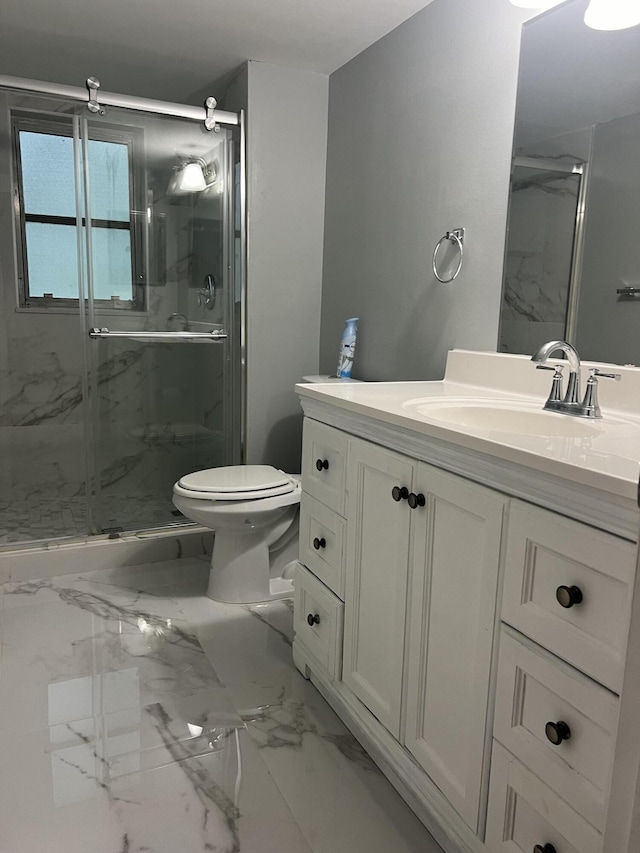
[162,380]
[42,429]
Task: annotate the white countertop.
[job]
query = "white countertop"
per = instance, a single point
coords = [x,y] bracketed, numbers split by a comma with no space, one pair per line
[603,454]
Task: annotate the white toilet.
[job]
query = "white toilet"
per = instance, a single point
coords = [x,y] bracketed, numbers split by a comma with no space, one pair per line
[254,512]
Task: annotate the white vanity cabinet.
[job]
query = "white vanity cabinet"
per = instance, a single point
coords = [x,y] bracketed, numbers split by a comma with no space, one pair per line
[421,568]
[460,611]
[413,528]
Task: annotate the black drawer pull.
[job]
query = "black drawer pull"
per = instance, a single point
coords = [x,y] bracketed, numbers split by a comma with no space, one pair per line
[557,732]
[546,848]
[319,543]
[567,596]
[416,500]
[322,464]
[313,619]
[400,493]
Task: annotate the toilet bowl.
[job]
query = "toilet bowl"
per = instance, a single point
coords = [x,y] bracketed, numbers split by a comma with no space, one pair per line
[254,512]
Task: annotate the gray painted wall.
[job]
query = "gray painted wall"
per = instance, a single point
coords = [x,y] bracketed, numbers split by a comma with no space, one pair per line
[420,138]
[286,154]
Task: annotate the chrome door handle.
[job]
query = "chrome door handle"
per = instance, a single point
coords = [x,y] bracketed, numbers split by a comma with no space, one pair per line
[196,337]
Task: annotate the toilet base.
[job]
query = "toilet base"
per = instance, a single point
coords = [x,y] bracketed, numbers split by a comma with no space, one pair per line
[279,589]
[244,571]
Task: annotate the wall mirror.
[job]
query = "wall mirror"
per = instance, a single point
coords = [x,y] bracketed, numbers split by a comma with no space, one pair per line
[572,258]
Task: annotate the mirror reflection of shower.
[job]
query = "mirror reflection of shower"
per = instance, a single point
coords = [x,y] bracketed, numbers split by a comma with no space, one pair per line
[544,229]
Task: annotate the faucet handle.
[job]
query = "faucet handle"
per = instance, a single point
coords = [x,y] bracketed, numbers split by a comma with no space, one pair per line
[595,372]
[590,403]
[557,367]
[556,386]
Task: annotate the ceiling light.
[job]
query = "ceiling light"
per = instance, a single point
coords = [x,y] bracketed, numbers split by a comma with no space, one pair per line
[191,179]
[612,14]
[192,176]
[194,731]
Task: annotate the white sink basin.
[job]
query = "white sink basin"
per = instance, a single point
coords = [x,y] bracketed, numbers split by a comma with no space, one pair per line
[504,416]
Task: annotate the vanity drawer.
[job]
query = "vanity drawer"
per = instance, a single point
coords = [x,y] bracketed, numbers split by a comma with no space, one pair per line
[317,621]
[322,543]
[324,455]
[535,689]
[523,812]
[548,555]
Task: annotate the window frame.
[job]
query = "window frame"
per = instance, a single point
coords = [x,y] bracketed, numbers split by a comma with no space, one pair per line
[62,126]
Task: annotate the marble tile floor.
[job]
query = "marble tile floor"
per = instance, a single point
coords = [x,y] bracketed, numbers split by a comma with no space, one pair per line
[38,519]
[138,715]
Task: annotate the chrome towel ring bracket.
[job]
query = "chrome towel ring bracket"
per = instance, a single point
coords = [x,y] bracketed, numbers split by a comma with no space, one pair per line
[455,236]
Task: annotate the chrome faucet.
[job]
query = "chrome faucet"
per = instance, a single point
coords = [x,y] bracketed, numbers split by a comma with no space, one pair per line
[572,397]
[570,403]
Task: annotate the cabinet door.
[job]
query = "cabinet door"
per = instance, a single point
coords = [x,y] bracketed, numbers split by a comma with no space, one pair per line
[376,578]
[456,541]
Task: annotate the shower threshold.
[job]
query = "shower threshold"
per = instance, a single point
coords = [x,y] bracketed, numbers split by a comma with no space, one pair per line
[26,561]
[33,523]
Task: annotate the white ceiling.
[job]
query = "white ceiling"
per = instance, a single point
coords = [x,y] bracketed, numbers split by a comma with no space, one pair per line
[174,49]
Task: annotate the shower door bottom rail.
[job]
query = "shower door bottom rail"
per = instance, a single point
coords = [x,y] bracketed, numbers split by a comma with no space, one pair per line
[171,337]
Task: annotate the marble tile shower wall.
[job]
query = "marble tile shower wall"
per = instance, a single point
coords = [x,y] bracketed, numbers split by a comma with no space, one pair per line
[40,396]
[161,398]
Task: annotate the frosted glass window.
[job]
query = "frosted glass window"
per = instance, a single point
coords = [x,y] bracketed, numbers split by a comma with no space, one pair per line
[49,216]
[111,263]
[109,180]
[52,260]
[48,185]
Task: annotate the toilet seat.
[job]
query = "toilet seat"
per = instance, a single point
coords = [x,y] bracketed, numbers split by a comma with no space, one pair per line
[236,483]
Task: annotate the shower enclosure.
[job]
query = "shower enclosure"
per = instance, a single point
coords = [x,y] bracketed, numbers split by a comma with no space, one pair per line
[121,266]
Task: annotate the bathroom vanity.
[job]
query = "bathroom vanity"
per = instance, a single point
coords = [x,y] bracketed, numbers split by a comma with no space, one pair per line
[465,599]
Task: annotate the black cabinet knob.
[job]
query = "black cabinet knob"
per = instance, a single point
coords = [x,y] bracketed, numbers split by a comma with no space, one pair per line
[557,732]
[544,848]
[313,619]
[399,493]
[322,464]
[567,596]
[319,543]
[416,500]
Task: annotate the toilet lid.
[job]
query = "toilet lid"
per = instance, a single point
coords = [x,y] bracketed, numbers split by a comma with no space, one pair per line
[239,481]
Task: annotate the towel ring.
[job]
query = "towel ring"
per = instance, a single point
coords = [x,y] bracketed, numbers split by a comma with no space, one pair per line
[457,237]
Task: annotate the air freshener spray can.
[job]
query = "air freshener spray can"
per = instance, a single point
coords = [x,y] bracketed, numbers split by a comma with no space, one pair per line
[347,349]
